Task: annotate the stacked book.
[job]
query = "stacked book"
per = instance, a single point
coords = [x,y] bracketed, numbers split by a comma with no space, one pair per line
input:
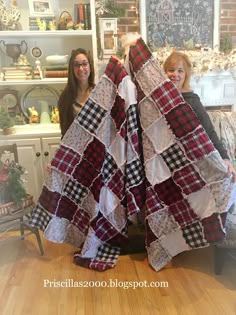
[34,22]
[55,71]
[82,15]
[17,73]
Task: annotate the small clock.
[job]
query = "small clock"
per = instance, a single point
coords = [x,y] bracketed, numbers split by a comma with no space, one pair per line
[36,52]
[9,98]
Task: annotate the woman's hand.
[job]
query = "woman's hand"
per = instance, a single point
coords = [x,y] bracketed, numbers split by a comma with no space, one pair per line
[230,170]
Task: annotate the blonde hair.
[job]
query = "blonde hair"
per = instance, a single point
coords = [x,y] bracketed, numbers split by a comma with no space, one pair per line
[173,59]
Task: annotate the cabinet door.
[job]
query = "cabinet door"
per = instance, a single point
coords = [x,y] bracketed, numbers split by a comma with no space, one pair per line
[49,146]
[30,157]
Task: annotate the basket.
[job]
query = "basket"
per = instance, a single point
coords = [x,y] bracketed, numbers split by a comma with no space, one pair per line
[64,18]
[10,208]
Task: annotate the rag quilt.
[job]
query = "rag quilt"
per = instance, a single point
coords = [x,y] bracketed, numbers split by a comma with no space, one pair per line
[136,146]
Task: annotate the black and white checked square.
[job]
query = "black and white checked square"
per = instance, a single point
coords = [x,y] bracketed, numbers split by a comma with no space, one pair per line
[134,173]
[109,168]
[91,116]
[39,217]
[132,120]
[188,179]
[174,157]
[108,253]
[193,235]
[75,191]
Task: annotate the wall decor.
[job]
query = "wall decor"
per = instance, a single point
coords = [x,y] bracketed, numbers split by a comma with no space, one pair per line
[9,99]
[180,23]
[41,8]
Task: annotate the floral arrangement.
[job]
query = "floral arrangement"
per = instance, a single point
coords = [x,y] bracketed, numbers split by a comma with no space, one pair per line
[74,26]
[11,182]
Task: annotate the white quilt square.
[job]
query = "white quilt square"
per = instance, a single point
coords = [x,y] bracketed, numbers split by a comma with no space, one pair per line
[174,243]
[118,150]
[212,168]
[160,135]
[148,112]
[202,202]
[156,170]
[107,201]
[107,131]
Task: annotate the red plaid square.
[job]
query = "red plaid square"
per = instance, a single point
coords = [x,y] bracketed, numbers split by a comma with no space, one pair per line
[212,228]
[104,230]
[168,192]
[183,213]
[66,208]
[95,153]
[135,142]
[115,71]
[188,179]
[167,97]
[153,203]
[139,54]
[131,205]
[65,159]
[85,173]
[96,187]
[182,120]
[118,112]
[81,220]
[123,131]
[49,200]
[139,194]
[117,183]
[197,144]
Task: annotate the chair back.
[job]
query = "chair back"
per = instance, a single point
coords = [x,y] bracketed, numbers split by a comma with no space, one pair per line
[9,149]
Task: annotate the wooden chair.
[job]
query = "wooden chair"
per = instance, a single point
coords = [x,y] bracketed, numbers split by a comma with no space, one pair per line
[12,217]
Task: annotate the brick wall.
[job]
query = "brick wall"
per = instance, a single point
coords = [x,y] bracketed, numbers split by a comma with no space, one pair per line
[130,22]
[228,19]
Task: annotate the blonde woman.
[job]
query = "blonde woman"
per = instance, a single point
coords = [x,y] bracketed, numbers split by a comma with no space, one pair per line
[179,69]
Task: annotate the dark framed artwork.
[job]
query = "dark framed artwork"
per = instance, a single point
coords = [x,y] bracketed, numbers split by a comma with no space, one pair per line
[180,23]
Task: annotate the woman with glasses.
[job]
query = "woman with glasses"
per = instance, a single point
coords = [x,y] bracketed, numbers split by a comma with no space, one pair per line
[78,88]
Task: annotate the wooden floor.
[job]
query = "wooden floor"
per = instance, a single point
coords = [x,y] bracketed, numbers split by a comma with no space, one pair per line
[192,286]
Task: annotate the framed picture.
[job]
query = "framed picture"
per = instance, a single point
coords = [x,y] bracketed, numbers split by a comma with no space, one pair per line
[165,23]
[41,8]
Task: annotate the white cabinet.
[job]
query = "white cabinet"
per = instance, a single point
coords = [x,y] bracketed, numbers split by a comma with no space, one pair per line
[34,155]
[216,88]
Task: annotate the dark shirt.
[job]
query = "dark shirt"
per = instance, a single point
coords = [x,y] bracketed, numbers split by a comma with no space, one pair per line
[194,101]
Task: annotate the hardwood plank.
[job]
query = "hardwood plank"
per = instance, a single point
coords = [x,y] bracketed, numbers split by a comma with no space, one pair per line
[29,284]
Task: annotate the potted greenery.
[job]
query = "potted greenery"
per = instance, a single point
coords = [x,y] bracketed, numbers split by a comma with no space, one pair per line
[6,122]
[11,183]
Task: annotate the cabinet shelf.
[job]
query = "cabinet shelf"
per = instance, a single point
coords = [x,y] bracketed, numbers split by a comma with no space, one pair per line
[34,82]
[22,34]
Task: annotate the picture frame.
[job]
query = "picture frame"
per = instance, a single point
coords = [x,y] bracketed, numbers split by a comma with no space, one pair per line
[41,8]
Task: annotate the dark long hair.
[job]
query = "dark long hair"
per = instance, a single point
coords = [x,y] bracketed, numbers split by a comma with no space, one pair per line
[69,94]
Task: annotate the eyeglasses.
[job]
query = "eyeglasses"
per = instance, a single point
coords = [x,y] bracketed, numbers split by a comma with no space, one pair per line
[83,64]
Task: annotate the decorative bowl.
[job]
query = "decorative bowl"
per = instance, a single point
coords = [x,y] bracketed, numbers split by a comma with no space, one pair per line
[57,59]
